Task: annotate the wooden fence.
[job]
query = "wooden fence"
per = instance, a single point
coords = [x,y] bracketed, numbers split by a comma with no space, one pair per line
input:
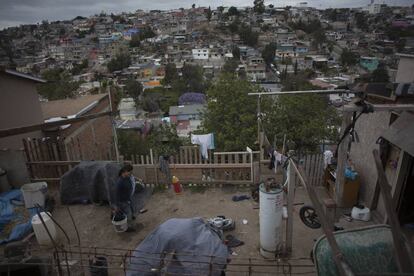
[313,167]
[48,159]
[189,166]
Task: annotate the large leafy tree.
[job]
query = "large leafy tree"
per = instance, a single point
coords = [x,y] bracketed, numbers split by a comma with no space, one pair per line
[231,113]
[306,120]
[380,74]
[259,6]
[59,85]
[171,73]
[119,62]
[348,57]
[268,53]
[248,36]
[134,89]
[192,76]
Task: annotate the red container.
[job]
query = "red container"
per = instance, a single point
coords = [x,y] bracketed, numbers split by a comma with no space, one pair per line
[177,185]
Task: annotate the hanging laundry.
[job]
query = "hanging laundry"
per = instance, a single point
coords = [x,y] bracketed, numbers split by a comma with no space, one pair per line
[327,158]
[205,141]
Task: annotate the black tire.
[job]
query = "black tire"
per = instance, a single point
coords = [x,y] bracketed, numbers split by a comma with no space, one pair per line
[309,217]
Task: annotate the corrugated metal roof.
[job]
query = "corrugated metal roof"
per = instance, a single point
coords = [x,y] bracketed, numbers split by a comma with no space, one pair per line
[23,75]
[186,109]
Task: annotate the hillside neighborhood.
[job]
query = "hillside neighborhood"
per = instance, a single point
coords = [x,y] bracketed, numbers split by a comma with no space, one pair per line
[222,106]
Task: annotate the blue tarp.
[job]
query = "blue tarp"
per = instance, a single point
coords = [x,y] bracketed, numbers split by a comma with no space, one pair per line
[8,202]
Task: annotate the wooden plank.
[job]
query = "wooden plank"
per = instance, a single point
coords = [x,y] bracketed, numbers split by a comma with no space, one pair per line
[244,156]
[141,159]
[327,226]
[54,163]
[290,200]
[28,157]
[342,159]
[236,158]
[31,128]
[147,159]
[401,252]
[185,155]
[79,149]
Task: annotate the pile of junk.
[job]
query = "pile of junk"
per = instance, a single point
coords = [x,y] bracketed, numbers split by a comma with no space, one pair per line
[26,214]
[189,246]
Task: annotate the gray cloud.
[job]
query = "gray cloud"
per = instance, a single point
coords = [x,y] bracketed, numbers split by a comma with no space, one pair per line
[15,12]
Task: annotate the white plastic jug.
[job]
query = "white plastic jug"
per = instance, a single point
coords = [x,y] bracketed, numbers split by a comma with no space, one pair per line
[40,231]
[34,193]
[363,214]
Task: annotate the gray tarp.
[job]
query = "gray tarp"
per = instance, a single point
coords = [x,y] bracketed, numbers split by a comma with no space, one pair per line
[90,181]
[194,244]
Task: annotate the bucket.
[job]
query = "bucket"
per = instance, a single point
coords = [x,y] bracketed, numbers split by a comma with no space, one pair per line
[34,193]
[120,222]
[39,229]
[98,266]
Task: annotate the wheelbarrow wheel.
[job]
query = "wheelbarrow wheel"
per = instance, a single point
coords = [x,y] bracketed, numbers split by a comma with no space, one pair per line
[309,217]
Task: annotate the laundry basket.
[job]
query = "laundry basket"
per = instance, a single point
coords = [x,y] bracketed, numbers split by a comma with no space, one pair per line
[34,193]
[120,222]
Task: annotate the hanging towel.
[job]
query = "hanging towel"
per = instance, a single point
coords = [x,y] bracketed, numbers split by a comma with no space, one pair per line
[205,141]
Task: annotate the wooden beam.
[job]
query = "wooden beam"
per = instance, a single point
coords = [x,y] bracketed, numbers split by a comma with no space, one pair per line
[25,129]
[380,107]
[401,252]
[327,226]
[53,163]
[342,159]
[290,199]
[337,91]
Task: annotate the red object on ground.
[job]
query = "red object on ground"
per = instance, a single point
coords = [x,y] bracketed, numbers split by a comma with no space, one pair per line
[177,185]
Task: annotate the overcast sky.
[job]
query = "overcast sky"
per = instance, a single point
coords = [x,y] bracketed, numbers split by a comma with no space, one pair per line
[16,12]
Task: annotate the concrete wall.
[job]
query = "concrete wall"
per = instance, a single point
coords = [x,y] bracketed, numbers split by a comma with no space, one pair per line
[96,136]
[19,106]
[369,127]
[405,71]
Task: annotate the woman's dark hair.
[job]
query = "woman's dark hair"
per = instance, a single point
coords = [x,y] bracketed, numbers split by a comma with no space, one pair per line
[122,170]
[128,167]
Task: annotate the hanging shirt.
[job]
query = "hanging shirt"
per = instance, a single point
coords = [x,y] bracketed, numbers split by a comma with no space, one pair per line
[327,158]
[205,141]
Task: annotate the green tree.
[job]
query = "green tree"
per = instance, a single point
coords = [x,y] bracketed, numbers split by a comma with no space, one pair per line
[268,53]
[193,6]
[59,85]
[135,41]
[236,52]
[231,65]
[79,67]
[248,36]
[164,140]
[233,11]
[119,62]
[192,76]
[231,113]
[134,89]
[208,13]
[234,26]
[147,32]
[380,74]
[130,143]
[361,21]
[171,73]
[306,120]
[258,6]
[348,57]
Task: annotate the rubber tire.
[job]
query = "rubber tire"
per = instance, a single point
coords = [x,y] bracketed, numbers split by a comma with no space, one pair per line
[302,212]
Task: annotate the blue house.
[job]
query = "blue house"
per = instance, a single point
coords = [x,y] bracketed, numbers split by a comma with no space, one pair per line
[369,63]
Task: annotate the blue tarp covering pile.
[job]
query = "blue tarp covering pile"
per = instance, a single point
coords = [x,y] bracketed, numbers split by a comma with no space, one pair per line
[9,215]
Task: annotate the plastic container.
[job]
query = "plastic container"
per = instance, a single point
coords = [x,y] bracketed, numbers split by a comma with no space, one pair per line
[363,214]
[120,222]
[4,182]
[270,217]
[34,193]
[41,234]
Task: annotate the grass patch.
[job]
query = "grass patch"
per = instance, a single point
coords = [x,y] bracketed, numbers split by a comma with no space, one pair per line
[159,189]
[197,188]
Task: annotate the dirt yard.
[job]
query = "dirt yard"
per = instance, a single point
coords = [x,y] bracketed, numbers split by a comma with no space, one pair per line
[96,230]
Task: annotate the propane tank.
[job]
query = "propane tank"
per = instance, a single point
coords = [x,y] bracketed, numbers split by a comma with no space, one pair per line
[177,185]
